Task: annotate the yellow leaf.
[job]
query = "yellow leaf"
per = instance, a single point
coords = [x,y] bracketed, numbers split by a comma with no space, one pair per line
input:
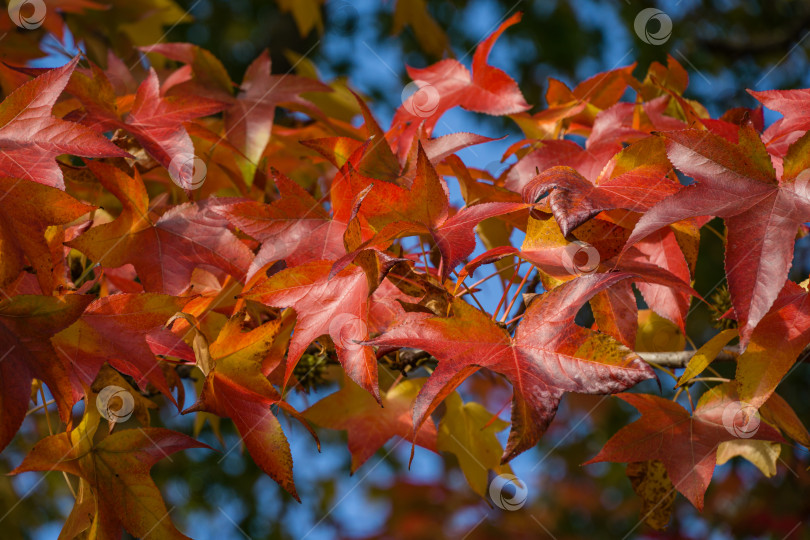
[763,454]
[657,334]
[428,33]
[155,16]
[463,431]
[307,14]
[139,406]
[651,482]
[337,105]
[778,412]
[706,354]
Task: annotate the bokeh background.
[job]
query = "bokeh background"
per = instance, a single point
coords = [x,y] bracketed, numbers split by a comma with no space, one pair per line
[726,45]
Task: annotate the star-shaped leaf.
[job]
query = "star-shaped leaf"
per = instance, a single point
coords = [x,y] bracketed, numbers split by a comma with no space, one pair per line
[686,444]
[31,137]
[337,307]
[26,324]
[738,183]
[548,356]
[29,210]
[115,329]
[115,472]
[369,427]
[235,387]
[165,250]
[447,84]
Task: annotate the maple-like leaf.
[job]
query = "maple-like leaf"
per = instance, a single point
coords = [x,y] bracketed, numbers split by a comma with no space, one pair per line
[156,122]
[116,329]
[249,120]
[249,115]
[449,84]
[795,121]
[577,111]
[615,309]
[762,213]
[337,307]
[26,324]
[295,228]
[548,356]
[235,387]
[600,92]
[686,444]
[612,129]
[154,119]
[424,209]
[775,344]
[116,491]
[468,431]
[31,137]
[165,250]
[31,213]
[368,425]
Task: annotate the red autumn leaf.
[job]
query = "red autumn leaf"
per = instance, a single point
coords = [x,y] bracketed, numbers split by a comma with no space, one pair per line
[249,115]
[30,137]
[548,356]
[423,209]
[164,250]
[795,121]
[111,280]
[337,307]
[154,119]
[249,121]
[26,325]
[559,259]
[295,228]
[370,426]
[762,213]
[687,445]
[29,210]
[665,250]
[156,122]
[611,129]
[236,387]
[600,92]
[449,84]
[116,329]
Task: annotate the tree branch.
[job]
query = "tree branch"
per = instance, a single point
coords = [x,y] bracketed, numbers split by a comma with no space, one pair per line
[679,359]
